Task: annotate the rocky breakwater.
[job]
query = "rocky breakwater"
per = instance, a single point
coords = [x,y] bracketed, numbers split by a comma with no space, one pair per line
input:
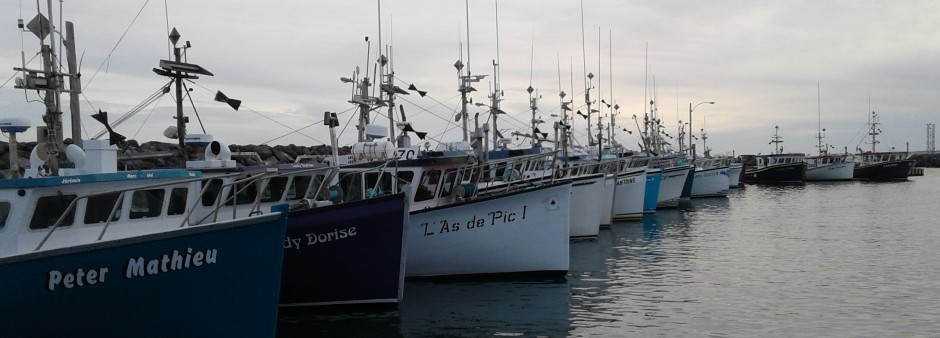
[150,155]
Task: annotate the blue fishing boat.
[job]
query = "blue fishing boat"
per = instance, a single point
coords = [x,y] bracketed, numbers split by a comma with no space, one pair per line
[166,284]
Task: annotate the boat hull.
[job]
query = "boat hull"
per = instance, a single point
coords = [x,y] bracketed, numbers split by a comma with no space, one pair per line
[586,204]
[349,253]
[831,172]
[711,182]
[883,171]
[522,232]
[629,196]
[687,187]
[653,179]
[780,174]
[607,199]
[734,175]
[671,185]
[214,280]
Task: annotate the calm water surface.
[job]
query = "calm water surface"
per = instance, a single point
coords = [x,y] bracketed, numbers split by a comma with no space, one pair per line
[846,259]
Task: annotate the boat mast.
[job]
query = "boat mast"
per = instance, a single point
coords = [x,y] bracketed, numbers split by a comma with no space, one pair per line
[820,131]
[587,82]
[874,131]
[50,81]
[777,140]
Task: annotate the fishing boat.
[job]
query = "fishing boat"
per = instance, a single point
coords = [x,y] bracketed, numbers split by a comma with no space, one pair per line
[825,166]
[629,196]
[336,251]
[711,178]
[470,219]
[881,166]
[109,253]
[734,174]
[775,168]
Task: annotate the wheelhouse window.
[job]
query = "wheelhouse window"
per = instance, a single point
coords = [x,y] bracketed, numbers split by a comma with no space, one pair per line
[299,186]
[49,209]
[378,185]
[146,203]
[274,189]
[428,185]
[449,178]
[245,193]
[212,189]
[4,213]
[404,178]
[177,205]
[351,183]
[97,208]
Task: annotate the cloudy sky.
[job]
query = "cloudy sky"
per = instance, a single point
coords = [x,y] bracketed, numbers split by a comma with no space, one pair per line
[760,61]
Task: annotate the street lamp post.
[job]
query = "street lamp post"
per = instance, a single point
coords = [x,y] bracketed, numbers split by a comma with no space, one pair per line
[691,108]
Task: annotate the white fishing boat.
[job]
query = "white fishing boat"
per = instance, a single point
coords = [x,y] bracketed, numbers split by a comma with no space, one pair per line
[826,166]
[711,178]
[630,193]
[473,219]
[734,174]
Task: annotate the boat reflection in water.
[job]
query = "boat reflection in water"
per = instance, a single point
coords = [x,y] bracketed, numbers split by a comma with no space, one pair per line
[517,307]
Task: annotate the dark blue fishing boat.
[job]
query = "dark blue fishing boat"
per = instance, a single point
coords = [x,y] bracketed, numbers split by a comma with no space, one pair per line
[215,280]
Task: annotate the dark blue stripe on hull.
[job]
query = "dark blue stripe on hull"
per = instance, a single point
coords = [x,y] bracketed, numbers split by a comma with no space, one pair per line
[345,253]
[232,293]
[897,170]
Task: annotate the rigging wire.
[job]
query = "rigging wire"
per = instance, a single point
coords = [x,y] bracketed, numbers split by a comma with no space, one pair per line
[259,114]
[107,60]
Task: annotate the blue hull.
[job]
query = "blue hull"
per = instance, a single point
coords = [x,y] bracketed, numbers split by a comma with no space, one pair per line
[349,253]
[218,280]
[652,192]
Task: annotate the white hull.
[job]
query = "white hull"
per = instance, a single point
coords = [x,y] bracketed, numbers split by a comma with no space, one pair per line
[831,172]
[586,200]
[520,232]
[670,188]
[734,175]
[607,199]
[628,197]
[710,182]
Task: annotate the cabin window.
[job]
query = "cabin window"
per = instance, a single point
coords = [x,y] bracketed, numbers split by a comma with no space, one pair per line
[4,213]
[378,185]
[404,178]
[97,208]
[428,185]
[177,205]
[246,193]
[448,184]
[299,185]
[146,203]
[351,183]
[274,189]
[49,209]
[212,189]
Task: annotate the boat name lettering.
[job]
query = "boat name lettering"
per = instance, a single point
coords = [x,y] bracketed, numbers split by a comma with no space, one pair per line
[71,180]
[476,222]
[315,238]
[79,278]
[623,181]
[139,267]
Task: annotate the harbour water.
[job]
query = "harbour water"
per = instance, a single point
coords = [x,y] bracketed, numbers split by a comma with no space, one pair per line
[841,259]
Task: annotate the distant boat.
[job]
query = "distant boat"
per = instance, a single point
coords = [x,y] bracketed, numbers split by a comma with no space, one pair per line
[734,174]
[711,178]
[825,166]
[778,167]
[881,166]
